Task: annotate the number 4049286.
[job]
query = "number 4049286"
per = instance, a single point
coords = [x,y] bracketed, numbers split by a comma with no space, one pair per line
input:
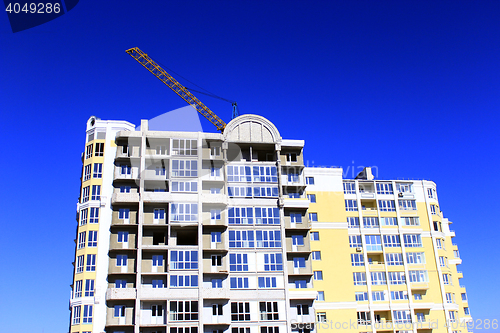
[34,8]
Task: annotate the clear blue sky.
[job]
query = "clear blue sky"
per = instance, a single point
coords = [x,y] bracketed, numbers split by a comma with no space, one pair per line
[411,87]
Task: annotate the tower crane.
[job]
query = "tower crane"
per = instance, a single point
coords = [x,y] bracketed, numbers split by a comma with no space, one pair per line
[179,89]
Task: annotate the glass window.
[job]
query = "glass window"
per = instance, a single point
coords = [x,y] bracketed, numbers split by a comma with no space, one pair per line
[312,198]
[183,259]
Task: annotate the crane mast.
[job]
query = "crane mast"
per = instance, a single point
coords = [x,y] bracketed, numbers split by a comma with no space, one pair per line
[178,88]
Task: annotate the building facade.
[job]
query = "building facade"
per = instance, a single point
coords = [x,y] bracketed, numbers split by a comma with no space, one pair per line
[188,232]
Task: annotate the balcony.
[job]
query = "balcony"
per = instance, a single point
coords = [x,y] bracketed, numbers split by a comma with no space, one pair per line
[121,293]
[218,293]
[303,294]
[214,246]
[133,175]
[300,203]
[305,248]
[124,198]
[147,293]
[156,197]
[419,285]
[214,198]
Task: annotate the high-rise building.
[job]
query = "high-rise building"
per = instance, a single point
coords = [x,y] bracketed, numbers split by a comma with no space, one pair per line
[187,232]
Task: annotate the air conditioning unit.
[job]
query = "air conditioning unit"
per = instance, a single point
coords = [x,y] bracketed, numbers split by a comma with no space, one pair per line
[359,249]
[400,194]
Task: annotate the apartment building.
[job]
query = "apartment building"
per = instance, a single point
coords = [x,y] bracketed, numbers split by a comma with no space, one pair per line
[188,232]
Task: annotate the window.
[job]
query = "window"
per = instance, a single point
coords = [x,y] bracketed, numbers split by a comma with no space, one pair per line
[351,205]
[76,313]
[321,317]
[443,262]
[241,238]
[316,255]
[122,236]
[121,260]
[180,281]
[300,284]
[90,263]
[214,172]
[302,309]
[79,264]
[87,314]
[318,275]
[299,262]
[239,173]
[273,262]
[407,205]
[456,254]
[350,188]
[384,188]
[321,296]
[157,260]
[97,170]
[215,190]
[161,150]
[183,310]
[94,215]
[240,215]
[450,298]
[239,330]
[357,259]
[125,189]
[86,172]
[353,222]
[184,168]
[364,318]
[415,257]
[404,188]
[83,216]
[269,238]
[434,210]
[355,241]
[159,214]
[399,295]
[238,262]
[361,296]
[92,242]
[77,292]
[446,279]
[81,240]
[159,171]
[96,192]
[267,282]
[291,157]
[120,283]
[99,149]
[295,218]
[412,240]
[313,217]
[392,241]
[394,259]
[417,297]
[215,237]
[216,260]
[378,278]
[466,311]
[256,191]
[297,240]
[184,147]
[85,194]
[157,283]
[373,243]
[412,221]
[268,310]
[124,214]
[216,283]
[215,151]
[439,243]
[314,235]
[397,277]
[157,311]
[386,205]
[265,174]
[309,180]
[418,276]
[293,178]
[359,278]
[240,311]
[401,316]
[89,151]
[378,296]
[267,215]
[451,316]
[184,212]
[312,198]
[370,222]
[217,310]
[388,221]
[119,311]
